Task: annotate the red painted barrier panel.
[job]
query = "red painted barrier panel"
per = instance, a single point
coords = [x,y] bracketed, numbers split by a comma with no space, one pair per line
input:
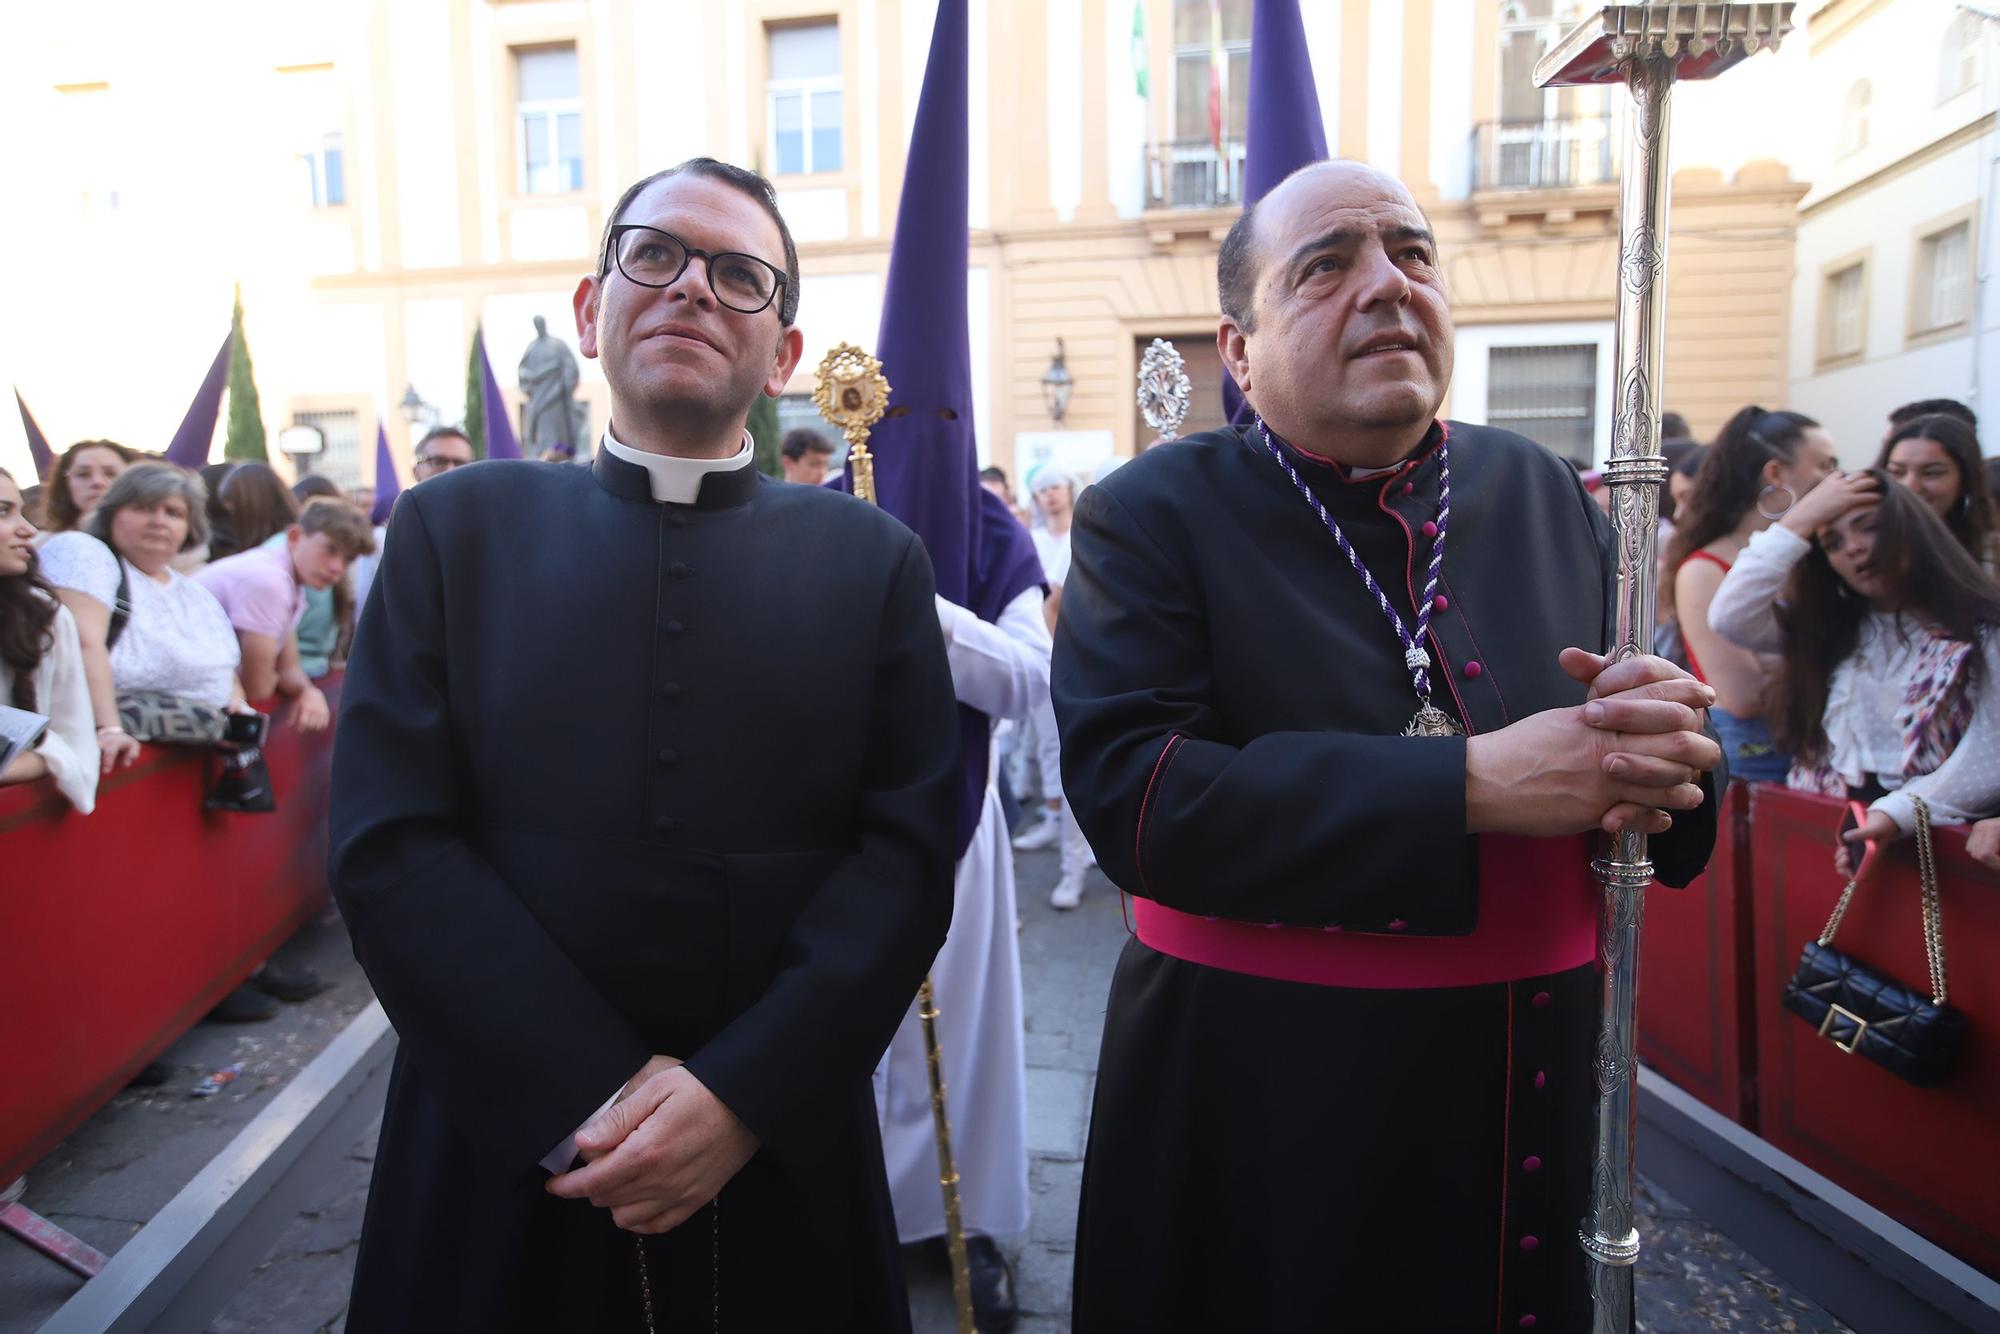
[120,929]
[1697,1019]
[1928,1157]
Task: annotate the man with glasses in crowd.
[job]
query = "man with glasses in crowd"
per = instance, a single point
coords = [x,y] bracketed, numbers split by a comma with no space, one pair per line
[638,1024]
[442,449]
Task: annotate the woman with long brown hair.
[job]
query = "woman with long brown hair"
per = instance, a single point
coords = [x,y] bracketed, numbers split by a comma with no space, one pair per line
[252,504]
[1761,466]
[1938,458]
[85,472]
[1890,635]
[41,664]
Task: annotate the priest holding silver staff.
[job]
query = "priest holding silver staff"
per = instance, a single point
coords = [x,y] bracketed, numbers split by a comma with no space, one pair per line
[1350,704]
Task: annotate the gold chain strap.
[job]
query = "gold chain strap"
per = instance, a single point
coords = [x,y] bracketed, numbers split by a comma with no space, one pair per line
[1933,911]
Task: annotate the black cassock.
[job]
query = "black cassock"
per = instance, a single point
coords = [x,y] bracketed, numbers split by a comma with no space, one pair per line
[617,778]
[1396,1152]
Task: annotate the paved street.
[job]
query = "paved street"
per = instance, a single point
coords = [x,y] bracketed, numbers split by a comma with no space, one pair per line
[106,1180]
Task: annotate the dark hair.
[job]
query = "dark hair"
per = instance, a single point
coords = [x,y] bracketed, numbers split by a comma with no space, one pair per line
[255,504]
[344,526]
[803,439]
[1932,580]
[1934,407]
[992,474]
[1689,460]
[1236,271]
[438,433]
[149,483]
[27,625]
[64,516]
[1673,427]
[1676,453]
[1972,518]
[1732,476]
[747,182]
[314,485]
[213,475]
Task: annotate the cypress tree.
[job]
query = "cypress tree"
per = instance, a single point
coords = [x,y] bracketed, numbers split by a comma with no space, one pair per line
[763,426]
[475,397]
[245,439]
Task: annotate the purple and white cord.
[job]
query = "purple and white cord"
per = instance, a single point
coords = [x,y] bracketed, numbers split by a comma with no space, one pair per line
[1415,656]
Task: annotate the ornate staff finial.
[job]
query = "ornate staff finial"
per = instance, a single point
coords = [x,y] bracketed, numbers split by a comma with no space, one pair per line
[852,393]
[1163,388]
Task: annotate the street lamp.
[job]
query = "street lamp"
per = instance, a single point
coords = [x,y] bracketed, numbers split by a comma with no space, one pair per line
[414,409]
[1057,383]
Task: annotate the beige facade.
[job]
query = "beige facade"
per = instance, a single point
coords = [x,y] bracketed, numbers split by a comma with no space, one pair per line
[480,144]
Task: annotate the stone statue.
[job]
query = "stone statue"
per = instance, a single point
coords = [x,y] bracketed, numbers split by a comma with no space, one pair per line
[548,377]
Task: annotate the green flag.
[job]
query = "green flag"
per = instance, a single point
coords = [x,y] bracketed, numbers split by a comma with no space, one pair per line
[1141,64]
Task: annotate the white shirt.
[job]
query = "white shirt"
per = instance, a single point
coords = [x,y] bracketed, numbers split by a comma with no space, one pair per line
[69,747]
[1866,691]
[178,641]
[1054,551]
[675,480]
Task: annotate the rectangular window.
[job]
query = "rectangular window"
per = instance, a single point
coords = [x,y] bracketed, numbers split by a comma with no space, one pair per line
[341,459]
[315,112]
[1842,298]
[1942,286]
[802,99]
[1547,393]
[548,112]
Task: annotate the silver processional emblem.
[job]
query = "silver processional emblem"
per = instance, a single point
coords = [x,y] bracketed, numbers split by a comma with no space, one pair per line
[1164,388]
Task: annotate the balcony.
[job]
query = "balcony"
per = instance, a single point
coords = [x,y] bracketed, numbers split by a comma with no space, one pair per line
[1191,173]
[1544,154]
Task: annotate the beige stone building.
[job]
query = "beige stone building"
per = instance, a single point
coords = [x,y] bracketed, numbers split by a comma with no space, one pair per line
[383,178]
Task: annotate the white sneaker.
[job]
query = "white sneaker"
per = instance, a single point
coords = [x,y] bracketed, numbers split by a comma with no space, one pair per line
[1067,893]
[1043,835]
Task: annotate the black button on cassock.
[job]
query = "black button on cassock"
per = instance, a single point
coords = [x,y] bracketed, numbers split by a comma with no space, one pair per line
[671,689]
[679,571]
[670,756]
[666,824]
[676,628]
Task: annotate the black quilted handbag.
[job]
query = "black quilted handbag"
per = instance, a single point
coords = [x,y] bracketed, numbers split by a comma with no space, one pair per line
[1870,1014]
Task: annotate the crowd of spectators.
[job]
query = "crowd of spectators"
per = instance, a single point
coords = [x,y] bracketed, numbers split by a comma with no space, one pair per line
[1849,622]
[145,604]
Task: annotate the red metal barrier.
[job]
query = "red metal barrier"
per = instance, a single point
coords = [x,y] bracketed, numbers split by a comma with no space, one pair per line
[122,928]
[1697,1019]
[1928,1157]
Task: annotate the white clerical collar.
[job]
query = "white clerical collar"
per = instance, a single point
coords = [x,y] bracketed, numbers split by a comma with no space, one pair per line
[677,481]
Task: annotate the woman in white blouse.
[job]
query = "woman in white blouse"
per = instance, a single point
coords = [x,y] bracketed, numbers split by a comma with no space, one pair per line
[173,637]
[41,665]
[1890,633]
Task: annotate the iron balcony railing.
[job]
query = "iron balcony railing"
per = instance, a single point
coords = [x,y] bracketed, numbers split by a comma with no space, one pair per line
[1192,173]
[1544,154]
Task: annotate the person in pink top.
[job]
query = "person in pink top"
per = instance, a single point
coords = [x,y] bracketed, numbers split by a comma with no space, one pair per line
[263,591]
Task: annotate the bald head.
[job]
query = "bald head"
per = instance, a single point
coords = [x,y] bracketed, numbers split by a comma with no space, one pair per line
[1334,319]
[1241,261]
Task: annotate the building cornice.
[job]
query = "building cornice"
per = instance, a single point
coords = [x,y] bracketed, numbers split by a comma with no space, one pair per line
[1970,132]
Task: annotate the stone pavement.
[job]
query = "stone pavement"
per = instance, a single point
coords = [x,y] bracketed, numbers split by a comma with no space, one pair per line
[109,1177]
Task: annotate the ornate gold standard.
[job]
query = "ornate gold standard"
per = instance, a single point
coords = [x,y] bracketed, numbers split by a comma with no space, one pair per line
[852,393]
[1164,388]
[1648,48]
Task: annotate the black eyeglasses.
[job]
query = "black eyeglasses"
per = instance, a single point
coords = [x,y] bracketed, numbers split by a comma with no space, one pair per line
[653,258]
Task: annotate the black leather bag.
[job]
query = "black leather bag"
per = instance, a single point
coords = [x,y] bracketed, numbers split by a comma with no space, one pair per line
[1867,1013]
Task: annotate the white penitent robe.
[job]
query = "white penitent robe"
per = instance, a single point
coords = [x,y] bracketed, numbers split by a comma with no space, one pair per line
[1002,670]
